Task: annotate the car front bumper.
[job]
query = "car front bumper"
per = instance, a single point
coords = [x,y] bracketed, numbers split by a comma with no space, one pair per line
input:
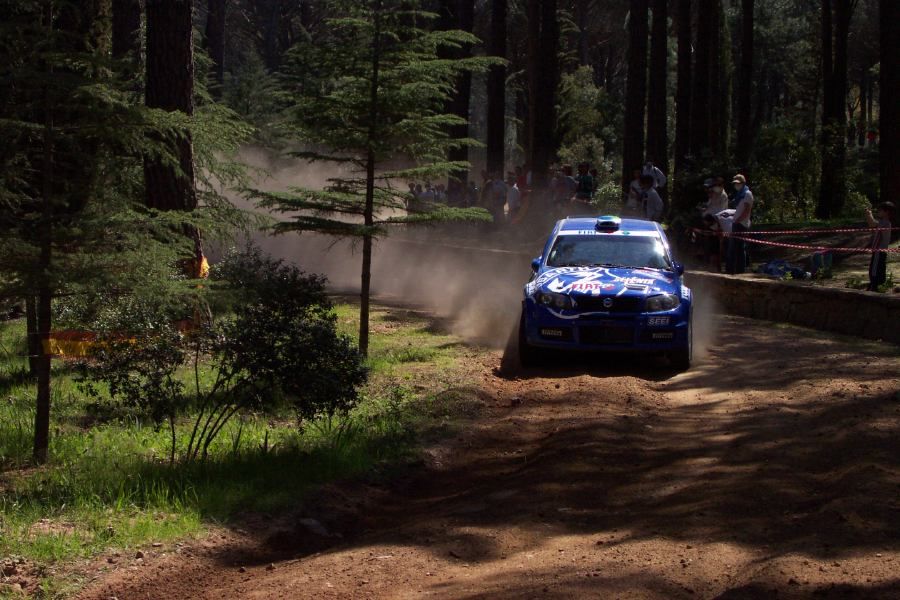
[637,332]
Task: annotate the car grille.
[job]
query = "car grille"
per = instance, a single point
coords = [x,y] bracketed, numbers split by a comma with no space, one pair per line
[620,304]
[606,334]
[559,334]
[649,336]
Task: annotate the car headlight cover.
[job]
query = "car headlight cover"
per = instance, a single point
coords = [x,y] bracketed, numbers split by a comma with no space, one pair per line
[662,302]
[554,300]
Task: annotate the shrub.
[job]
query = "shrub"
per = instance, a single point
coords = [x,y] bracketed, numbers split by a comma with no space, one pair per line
[277,344]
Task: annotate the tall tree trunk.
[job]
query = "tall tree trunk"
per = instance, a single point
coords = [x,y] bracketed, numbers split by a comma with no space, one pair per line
[170,86]
[635,90]
[744,142]
[582,10]
[126,28]
[459,104]
[700,95]
[836,16]
[271,51]
[726,87]
[657,133]
[215,39]
[548,78]
[715,78]
[889,100]
[533,45]
[41,449]
[842,16]
[33,335]
[369,211]
[496,109]
[823,207]
[683,87]
[861,121]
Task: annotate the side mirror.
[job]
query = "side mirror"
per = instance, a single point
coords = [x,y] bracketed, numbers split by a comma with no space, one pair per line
[536,264]
[679,268]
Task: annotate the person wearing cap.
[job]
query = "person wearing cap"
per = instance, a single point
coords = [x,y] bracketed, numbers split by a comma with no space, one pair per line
[736,259]
[880,240]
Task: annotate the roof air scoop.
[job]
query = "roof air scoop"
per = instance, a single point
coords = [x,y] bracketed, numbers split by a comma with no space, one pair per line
[608,223]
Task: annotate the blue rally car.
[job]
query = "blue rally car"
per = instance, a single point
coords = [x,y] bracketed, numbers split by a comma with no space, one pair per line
[605,283]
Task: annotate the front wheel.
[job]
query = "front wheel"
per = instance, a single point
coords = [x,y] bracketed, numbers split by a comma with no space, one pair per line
[529,356]
[681,358]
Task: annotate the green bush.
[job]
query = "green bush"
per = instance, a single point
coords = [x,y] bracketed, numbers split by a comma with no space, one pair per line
[277,346]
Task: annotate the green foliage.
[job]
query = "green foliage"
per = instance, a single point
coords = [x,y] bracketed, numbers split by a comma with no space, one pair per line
[372,93]
[108,485]
[279,345]
[283,338]
[588,119]
[252,92]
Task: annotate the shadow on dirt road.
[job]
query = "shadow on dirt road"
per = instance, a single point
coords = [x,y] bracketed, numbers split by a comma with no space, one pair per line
[772,468]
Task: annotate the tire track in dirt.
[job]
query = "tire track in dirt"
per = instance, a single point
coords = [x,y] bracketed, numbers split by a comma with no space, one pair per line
[772,468]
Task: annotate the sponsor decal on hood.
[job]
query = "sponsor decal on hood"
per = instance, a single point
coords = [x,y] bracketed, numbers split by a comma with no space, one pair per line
[602,280]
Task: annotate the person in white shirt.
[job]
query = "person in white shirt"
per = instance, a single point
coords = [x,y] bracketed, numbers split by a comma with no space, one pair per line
[513,197]
[659,178]
[651,203]
[716,198]
[633,199]
[736,261]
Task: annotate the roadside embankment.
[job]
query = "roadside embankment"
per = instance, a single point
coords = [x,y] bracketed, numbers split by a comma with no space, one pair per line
[851,312]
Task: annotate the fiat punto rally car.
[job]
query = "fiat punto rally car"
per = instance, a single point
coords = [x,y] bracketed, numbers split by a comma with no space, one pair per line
[606,284]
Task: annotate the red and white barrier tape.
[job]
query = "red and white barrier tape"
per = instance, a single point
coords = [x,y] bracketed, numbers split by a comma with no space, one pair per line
[748,237]
[807,231]
[810,247]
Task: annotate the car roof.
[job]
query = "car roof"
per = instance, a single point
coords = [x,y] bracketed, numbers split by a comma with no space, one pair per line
[587,223]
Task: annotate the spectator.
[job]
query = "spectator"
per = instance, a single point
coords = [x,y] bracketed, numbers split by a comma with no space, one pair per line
[659,178]
[584,188]
[633,197]
[736,259]
[880,241]
[513,197]
[497,200]
[651,203]
[595,175]
[716,198]
[471,195]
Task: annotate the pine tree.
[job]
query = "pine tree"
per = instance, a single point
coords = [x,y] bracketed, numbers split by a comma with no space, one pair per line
[657,107]
[496,92]
[890,99]
[744,142]
[636,90]
[683,87]
[377,97]
[72,216]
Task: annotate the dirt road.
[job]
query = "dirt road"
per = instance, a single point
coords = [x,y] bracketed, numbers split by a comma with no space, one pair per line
[772,469]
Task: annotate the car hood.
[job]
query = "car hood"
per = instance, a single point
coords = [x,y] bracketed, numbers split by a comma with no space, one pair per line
[612,281]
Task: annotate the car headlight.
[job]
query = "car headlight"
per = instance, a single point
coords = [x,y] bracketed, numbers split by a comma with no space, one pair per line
[554,300]
[662,302]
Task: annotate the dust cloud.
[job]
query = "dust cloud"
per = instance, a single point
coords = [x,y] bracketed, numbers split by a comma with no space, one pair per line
[476,290]
[460,273]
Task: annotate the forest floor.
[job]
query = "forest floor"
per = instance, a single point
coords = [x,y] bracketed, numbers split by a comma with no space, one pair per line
[770,469]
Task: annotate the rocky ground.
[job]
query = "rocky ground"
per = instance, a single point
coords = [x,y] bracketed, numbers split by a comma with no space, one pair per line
[771,469]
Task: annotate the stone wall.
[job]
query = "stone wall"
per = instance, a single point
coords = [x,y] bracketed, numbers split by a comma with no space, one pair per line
[864,314]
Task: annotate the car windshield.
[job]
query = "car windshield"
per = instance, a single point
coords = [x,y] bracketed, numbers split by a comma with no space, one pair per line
[608,250]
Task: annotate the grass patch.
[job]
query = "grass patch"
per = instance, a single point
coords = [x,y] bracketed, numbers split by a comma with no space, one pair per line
[108,484]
